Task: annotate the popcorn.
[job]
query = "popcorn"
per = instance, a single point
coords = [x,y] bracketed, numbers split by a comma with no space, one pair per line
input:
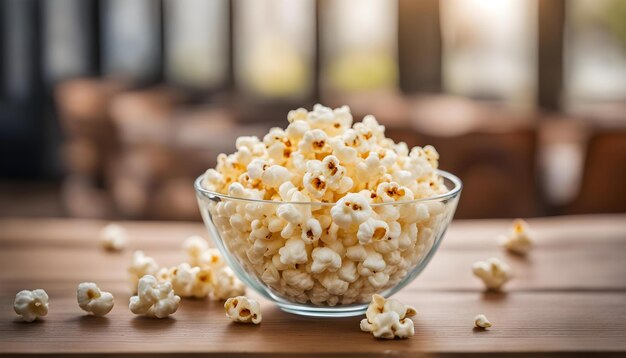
[493,272]
[313,142]
[293,252]
[481,321]
[154,299]
[325,259]
[142,265]
[183,278]
[113,237]
[388,319]
[243,309]
[224,285]
[351,210]
[194,247]
[92,300]
[275,175]
[337,220]
[372,230]
[520,240]
[31,305]
[298,279]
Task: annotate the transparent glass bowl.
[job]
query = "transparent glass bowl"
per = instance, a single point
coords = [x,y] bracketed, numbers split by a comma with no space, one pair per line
[338,291]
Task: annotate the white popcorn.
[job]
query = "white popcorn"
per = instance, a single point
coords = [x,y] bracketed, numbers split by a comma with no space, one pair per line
[275,175]
[92,300]
[304,247]
[311,231]
[154,299]
[325,259]
[141,265]
[351,210]
[113,237]
[313,141]
[194,247]
[295,131]
[183,278]
[31,305]
[293,252]
[298,279]
[388,319]
[372,230]
[481,321]
[243,309]
[225,285]
[493,272]
[520,240]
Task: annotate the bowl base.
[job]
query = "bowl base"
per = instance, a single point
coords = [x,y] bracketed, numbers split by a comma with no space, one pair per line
[322,311]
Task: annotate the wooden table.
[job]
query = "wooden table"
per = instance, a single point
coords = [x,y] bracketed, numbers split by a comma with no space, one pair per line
[568,297]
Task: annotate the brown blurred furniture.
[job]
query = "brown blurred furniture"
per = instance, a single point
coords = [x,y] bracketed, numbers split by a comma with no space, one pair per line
[603,184]
[90,143]
[492,149]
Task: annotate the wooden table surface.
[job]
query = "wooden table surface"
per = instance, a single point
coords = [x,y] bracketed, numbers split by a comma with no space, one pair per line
[568,297]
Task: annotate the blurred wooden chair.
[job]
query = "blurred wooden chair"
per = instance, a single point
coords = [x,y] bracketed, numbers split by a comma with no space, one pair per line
[603,185]
[492,150]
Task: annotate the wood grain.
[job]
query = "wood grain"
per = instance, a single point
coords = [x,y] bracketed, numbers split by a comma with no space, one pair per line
[567,298]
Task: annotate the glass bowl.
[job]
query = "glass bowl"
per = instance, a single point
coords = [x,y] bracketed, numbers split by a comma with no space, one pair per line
[326,284]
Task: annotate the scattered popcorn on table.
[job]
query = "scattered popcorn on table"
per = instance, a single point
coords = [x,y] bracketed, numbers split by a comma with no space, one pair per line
[243,309]
[481,321]
[31,305]
[336,234]
[520,240]
[493,272]
[154,299]
[113,237]
[142,265]
[92,300]
[388,319]
[225,284]
[205,274]
[194,247]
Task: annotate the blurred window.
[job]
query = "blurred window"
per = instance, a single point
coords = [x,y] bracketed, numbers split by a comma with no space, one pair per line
[196,38]
[359,45]
[595,51]
[131,38]
[67,39]
[490,49]
[275,48]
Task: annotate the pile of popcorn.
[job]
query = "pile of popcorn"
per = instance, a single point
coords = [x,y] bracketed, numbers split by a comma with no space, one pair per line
[342,226]
[204,274]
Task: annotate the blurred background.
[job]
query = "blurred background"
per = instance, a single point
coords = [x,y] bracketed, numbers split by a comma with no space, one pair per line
[110,108]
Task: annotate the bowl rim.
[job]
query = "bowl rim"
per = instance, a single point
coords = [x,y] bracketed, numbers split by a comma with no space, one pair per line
[458,186]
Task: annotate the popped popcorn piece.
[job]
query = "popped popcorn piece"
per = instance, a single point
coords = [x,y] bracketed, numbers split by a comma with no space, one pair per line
[183,279]
[351,210]
[92,300]
[275,175]
[243,309]
[225,284]
[493,272]
[481,321]
[372,230]
[325,259]
[154,299]
[293,252]
[388,319]
[195,247]
[141,265]
[520,240]
[113,237]
[31,305]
